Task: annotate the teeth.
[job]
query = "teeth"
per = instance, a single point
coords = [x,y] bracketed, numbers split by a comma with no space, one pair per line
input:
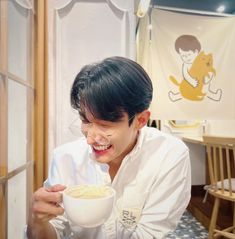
[101,147]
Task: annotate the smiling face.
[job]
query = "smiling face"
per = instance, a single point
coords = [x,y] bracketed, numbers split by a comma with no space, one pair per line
[188,56]
[112,141]
[106,94]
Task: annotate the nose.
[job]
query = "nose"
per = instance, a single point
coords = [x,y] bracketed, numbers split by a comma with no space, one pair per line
[92,139]
[94,136]
[90,135]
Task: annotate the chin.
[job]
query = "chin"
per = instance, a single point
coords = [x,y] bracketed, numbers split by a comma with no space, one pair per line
[100,157]
[102,160]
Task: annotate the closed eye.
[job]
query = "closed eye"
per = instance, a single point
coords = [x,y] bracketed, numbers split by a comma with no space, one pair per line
[104,126]
[84,121]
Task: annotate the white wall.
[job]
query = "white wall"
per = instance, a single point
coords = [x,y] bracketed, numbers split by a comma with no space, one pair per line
[82,32]
[198,163]
[221,127]
[197,151]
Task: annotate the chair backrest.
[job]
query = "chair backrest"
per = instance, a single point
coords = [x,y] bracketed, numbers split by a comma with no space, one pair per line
[221,162]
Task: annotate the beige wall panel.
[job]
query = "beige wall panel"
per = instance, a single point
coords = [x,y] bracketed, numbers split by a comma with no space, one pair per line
[17,206]
[17,125]
[18,39]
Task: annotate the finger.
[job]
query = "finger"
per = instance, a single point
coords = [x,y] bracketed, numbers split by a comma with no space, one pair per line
[41,207]
[56,188]
[42,217]
[43,195]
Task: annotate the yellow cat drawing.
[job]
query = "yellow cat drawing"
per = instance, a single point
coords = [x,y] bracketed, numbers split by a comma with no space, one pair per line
[201,67]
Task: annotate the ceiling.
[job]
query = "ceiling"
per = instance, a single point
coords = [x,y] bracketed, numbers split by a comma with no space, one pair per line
[198,5]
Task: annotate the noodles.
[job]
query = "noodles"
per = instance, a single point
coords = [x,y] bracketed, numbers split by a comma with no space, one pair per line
[89,191]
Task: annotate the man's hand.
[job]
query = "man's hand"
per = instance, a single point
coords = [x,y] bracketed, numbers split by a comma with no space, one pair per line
[45,206]
[46,203]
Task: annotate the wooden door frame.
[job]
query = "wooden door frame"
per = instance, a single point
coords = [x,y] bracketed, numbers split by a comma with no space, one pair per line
[41,97]
[3,120]
[36,171]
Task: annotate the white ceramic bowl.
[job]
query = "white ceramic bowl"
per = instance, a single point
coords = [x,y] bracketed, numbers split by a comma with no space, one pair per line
[88,212]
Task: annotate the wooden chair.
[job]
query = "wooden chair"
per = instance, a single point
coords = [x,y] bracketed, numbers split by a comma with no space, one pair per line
[221,164]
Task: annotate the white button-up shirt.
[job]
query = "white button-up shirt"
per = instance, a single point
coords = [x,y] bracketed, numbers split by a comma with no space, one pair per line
[152,186]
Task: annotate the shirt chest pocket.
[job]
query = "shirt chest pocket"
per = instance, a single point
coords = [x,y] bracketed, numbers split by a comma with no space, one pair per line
[129,207]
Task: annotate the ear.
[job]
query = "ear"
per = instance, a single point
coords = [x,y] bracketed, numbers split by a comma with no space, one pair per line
[142,119]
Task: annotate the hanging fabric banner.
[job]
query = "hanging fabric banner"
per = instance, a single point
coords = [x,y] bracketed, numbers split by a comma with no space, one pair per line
[190,59]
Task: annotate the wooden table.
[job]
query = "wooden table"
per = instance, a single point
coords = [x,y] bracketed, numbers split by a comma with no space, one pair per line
[192,139]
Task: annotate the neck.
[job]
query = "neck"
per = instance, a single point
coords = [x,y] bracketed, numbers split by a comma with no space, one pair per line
[113,169]
[115,164]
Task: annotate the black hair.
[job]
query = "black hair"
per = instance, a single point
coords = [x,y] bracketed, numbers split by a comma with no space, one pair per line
[111,87]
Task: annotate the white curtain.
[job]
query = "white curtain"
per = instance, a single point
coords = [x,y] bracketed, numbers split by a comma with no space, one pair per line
[82,32]
[156,52]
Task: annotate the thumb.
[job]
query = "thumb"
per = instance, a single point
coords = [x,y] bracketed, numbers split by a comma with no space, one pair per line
[56,188]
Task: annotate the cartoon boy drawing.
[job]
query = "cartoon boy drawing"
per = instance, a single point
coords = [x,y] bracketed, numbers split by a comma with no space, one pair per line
[197,71]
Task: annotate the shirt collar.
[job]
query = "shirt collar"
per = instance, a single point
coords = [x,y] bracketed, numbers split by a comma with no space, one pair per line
[139,143]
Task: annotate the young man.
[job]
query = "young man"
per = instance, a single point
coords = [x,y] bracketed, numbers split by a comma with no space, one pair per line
[149,170]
